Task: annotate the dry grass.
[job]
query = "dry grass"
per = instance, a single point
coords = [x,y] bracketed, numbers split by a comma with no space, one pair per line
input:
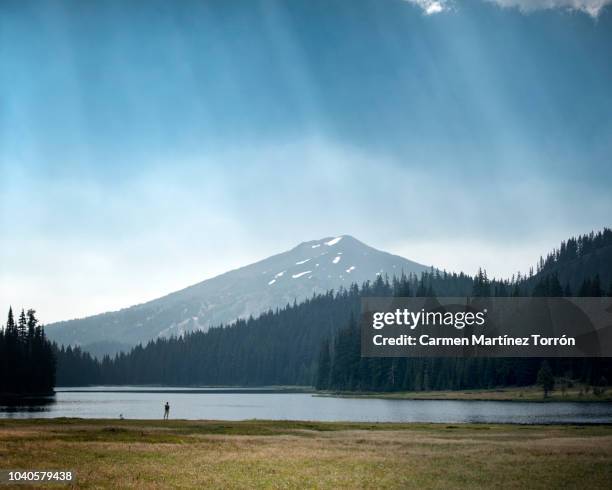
[187,454]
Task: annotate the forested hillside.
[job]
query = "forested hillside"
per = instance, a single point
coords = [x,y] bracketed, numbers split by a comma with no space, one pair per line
[579,267]
[315,342]
[342,368]
[579,258]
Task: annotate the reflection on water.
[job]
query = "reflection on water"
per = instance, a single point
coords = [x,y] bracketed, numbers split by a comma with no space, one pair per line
[26,404]
[231,404]
[18,409]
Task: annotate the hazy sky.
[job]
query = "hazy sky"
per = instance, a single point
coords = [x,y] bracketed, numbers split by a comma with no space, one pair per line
[145,146]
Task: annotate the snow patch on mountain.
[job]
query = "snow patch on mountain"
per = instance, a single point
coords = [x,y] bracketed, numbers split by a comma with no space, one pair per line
[333,241]
[336,259]
[295,276]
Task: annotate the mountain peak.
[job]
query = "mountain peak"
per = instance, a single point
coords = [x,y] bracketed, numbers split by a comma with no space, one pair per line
[329,241]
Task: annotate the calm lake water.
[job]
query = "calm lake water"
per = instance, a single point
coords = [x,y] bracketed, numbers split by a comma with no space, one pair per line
[232,404]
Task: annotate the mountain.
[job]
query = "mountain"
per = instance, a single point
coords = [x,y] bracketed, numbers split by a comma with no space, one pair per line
[311,267]
[315,341]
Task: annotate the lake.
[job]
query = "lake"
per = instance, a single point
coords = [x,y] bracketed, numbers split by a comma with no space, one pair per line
[241,404]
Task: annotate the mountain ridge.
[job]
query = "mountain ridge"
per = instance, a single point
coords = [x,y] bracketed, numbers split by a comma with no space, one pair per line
[313,266]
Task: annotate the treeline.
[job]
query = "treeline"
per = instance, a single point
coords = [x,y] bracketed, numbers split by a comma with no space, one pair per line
[27,360]
[283,347]
[310,344]
[585,256]
[342,368]
[576,248]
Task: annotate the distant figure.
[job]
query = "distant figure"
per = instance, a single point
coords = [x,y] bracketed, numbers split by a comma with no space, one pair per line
[166,411]
[120,416]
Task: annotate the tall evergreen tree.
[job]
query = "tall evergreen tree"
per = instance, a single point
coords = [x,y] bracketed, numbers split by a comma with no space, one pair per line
[11,328]
[22,326]
[546,379]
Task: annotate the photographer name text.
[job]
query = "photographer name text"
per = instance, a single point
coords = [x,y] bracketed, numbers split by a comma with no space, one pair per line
[458,320]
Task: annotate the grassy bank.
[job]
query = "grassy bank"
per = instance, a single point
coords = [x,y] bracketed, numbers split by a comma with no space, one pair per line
[527,393]
[187,454]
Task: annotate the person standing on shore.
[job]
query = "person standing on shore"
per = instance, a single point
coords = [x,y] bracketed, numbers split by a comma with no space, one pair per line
[166,411]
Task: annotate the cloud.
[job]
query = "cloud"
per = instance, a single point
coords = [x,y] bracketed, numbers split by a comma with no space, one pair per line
[431,7]
[591,7]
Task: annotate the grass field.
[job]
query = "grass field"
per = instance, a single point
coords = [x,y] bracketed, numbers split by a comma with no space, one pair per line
[264,454]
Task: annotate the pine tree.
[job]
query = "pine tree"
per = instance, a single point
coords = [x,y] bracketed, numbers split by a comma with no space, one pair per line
[31,323]
[482,285]
[546,379]
[596,287]
[22,326]
[554,287]
[324,367]
[11,329]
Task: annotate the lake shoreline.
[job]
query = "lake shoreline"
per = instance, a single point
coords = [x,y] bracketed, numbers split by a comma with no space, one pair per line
[285,424]
[253,426]
[577,394]
[140,403]
[523,394]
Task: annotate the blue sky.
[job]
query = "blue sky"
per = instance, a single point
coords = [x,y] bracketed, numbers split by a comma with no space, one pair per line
[145,146]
